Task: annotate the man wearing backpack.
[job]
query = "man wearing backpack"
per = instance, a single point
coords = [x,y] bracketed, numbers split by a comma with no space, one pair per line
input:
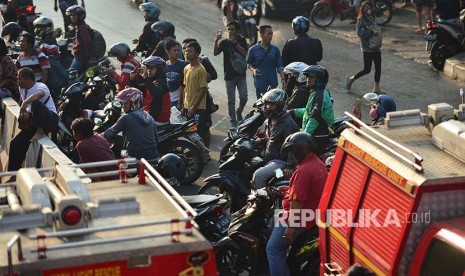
[233,47]
[82,49]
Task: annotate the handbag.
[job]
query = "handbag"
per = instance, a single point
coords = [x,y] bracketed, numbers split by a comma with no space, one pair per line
[238,62]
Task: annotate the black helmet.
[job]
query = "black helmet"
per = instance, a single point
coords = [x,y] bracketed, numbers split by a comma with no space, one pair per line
[166,26]
[13,30]
[152,11]
[317,71]
[77,10]
[170,165]
[300,25]
[297,143]
[120,50]
[277,96]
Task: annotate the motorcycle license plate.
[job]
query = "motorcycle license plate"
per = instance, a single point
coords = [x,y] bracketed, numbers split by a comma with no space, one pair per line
[431,37]
[251,21]
[224,222]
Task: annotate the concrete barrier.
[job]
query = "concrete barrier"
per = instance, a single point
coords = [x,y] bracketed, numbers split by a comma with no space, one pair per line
[41,154]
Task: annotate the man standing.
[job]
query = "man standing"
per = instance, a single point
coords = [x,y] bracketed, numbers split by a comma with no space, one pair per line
[235,43]
[36,106]
[303,193]
[193,98]
[302,47]
[264,60]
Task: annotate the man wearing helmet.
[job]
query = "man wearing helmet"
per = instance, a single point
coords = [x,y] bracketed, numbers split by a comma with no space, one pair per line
[296,87]
[148,39]
[128,64]
[156,94]
[82,49]
[302,47]
[63,5]
[13,31]
[165,31]
[318,115]
[279,125]
[138,126]
[302,195]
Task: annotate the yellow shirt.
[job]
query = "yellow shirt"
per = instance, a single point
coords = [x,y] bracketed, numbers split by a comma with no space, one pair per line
[195,78]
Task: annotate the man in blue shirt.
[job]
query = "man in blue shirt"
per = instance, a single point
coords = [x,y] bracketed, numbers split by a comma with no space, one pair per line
[264,60]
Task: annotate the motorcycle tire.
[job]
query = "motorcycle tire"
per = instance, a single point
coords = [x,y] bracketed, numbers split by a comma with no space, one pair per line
[227,260]
[383,12]
[191,156]
[252,34]
[438,55]
[322,16]
[214,188]
[304,255]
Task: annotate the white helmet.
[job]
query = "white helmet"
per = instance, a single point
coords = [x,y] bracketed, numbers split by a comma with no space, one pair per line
[295,69]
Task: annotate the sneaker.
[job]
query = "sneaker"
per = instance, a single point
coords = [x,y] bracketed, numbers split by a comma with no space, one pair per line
[346,83]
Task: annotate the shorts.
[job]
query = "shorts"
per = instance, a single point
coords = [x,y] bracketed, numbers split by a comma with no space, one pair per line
[424,3]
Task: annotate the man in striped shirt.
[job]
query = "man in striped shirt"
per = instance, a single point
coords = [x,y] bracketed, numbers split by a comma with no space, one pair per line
[30,57]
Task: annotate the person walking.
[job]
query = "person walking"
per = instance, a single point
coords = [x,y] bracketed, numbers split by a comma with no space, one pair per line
[264,60]
[63,5]
[365,20]
[235,43]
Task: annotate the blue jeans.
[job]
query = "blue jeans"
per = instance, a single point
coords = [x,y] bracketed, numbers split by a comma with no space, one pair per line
[77,65]
[276,251]
[241,84]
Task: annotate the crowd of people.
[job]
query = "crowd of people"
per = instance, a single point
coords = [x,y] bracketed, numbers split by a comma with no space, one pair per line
[298,108]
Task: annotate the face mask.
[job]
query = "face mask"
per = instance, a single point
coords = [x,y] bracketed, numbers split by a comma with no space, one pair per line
[373,113]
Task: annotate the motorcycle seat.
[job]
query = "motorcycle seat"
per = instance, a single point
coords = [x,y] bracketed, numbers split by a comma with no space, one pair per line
[197,200]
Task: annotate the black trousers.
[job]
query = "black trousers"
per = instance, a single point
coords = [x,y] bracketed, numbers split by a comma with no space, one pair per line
[42,118]
[368,59]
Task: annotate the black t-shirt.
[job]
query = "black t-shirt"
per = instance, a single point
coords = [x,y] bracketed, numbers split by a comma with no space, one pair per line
[227,47]
[302,48]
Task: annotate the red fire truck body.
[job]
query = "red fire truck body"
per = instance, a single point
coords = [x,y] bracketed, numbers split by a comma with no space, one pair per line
[395,196]
[62,226]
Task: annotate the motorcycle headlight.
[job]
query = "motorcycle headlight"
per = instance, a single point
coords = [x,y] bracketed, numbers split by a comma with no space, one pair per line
[254,11]
[247,12]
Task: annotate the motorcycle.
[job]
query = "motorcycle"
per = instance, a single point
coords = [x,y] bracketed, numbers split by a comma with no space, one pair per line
[248,14]
[24,14]
[247,128]
[324,12]
[243,251]
[442,42]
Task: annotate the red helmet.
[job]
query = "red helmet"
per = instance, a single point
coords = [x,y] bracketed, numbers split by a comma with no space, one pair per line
[132,95]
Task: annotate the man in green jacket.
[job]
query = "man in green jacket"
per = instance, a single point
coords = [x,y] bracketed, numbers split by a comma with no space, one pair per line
[318,116]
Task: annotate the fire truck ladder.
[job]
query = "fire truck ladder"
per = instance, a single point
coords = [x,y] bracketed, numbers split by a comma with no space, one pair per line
[418,159]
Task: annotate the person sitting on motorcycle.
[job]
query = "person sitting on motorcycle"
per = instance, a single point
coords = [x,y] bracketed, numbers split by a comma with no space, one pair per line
[82,49]
[165,30]
[157,100]
[298,95]
[63,5]
[148,39]
[380,106]
[230,8]
[449,13]
[318,115]
[138,127]
[279,125]
[128,64]
[303,193]
[43,29]
[13,31]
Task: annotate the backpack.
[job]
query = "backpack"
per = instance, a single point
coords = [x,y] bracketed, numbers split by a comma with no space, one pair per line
[375,41]
[99,46]
[238,62]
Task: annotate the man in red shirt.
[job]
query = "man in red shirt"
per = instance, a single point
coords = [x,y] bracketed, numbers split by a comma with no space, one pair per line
[302,196]
[91,147]
[82,49]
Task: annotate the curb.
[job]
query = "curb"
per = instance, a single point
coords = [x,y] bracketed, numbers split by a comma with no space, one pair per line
[454,67]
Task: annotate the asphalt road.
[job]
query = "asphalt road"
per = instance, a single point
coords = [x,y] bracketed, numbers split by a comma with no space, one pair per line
[405,75]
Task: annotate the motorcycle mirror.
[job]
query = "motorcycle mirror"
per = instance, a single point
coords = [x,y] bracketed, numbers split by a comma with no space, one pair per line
[259,103]
[279,173]
[369,98]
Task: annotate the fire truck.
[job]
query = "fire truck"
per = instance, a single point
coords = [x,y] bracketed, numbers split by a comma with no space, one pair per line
[67,225]
[394,201]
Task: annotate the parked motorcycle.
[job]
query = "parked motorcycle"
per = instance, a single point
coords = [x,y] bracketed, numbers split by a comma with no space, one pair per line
[442,42]
[324,12]
[243,251]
